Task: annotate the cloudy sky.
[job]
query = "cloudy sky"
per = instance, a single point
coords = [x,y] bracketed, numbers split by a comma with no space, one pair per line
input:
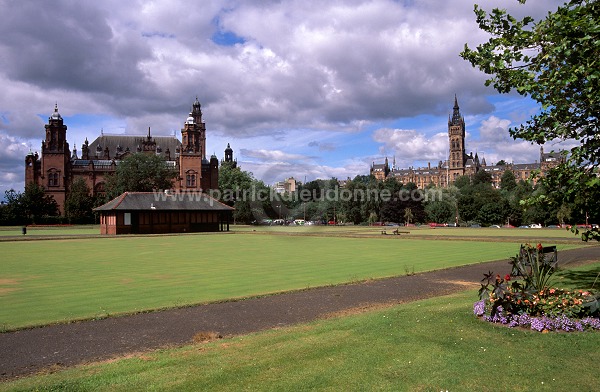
[303,88]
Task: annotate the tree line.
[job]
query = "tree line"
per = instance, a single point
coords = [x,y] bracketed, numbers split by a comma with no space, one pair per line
[362,200]
[469,201]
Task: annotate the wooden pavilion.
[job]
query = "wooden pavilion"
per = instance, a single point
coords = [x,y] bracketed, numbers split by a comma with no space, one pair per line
[163,212]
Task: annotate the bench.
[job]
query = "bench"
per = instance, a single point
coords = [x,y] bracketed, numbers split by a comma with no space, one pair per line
[395,232]
[548,261]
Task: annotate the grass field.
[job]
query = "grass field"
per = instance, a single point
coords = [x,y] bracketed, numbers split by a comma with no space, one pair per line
[36,231]
[44,282]
[530,235]
[435,344]
[430,345]
[523,235]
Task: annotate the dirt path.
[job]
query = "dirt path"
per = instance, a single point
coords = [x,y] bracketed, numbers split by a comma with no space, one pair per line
[29,351]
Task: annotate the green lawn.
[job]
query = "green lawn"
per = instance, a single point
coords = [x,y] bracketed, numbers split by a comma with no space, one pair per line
[531,235]
[36,231]
[55,281]
[430,345]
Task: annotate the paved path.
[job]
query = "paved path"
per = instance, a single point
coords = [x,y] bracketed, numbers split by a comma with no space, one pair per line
[29,351]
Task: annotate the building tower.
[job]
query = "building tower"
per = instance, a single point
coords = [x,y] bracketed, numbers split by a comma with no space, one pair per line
[191,154]
[229,157]
[456,135]
[200,126]
[54,168]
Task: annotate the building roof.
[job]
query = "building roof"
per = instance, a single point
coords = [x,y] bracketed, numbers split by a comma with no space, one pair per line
[132,143]
[102,163]
[525,166]
[163,201]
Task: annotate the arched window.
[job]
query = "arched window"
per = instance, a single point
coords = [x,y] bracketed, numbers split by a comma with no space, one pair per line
[190,179]
[99,189]
[53,178]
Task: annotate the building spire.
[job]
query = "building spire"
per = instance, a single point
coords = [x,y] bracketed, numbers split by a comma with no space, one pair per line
[456,117]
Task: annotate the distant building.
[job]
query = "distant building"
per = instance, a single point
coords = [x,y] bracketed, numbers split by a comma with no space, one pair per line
[459,163]
[287,186]
[58,166]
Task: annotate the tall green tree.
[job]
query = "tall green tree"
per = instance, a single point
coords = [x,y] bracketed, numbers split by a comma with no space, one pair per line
[554,61]
[35,203]
[79,203]
[508,181]
[237,190]
[440,211]
[11,213]
[140,172]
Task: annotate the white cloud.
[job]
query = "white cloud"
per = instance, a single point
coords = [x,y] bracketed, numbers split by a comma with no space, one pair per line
[408,146]
[272,155]
[332,67]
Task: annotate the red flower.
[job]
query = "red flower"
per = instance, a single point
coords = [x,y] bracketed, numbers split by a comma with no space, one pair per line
[507,277]
[539,247]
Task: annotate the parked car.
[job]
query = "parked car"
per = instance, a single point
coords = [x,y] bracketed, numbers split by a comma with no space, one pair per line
[476,226]
[508,226]
[494,227]
[524,227]
[438,224]
[535,226]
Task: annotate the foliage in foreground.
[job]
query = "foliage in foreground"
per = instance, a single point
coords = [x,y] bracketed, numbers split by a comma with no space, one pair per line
[555,62]
[530,302]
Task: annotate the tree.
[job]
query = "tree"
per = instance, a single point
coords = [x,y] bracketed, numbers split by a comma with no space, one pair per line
[35,203]
[482,177]
[563,214]
[555,62]
[482,203]
[408,215]
[462,182]
[440,211]
[501,162]
[492,213]
[236,190]
[79,203]
[140,173]
[12,212]
[508,182]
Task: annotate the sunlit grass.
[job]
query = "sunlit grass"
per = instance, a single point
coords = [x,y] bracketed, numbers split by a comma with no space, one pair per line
[59,280]
[37,231]
[435,344]
[531,235]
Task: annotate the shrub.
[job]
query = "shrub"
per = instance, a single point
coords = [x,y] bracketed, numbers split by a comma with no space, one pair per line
[524,298]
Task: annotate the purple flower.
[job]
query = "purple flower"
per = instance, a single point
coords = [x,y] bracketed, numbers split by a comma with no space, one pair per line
[479,308]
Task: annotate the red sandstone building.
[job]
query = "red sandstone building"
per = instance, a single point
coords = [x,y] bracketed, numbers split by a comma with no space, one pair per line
[58,166]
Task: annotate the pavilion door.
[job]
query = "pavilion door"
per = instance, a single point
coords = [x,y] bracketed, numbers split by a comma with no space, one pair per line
[135,223]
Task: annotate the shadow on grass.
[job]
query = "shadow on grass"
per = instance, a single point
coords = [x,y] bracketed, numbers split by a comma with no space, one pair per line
[581,279]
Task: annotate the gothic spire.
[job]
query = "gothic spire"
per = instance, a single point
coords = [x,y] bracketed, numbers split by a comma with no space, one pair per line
[456,116]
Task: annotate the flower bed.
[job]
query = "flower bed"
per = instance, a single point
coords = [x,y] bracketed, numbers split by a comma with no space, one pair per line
[525,299]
